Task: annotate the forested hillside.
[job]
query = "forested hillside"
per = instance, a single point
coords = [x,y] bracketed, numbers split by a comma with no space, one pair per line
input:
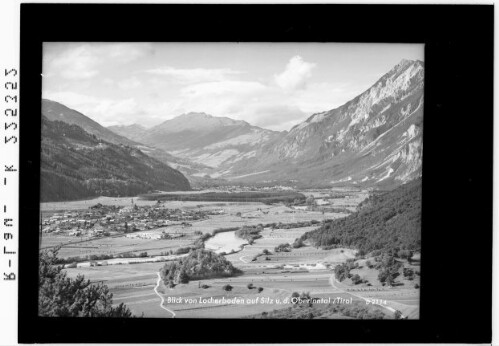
[389,221]
[76,164]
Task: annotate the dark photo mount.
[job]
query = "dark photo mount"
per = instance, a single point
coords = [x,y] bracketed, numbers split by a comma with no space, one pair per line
[456,269]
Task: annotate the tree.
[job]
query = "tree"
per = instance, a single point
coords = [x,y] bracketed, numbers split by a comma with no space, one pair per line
[183,278]
[397,315]
[260,289]
[250,286]
[311,201]
[390,279]
[306,299]
[60,296]
[227,288]
[356,279]
[298,243]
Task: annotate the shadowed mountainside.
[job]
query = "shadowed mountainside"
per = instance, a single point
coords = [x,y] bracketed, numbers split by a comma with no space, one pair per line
[76,164]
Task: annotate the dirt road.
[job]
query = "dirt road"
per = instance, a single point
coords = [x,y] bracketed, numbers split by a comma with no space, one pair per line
[162,299]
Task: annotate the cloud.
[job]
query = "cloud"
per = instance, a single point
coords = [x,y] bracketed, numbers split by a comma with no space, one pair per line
[130,83]
[103,110]
[83,61]
[234,88]
[295,75]
[77,63]
[259,104]
[274,101]
[196,75]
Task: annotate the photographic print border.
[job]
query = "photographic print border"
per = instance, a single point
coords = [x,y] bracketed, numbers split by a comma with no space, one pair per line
[457,166]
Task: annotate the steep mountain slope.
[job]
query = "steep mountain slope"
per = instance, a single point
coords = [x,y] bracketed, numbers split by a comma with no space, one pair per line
[217,142]
[55,111]
[390,221]
[375,139]
[76,164]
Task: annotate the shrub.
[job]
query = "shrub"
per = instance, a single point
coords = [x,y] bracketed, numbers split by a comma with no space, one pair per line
[182,250]
[260,289]
[227,288]
[285,247]
[250,286]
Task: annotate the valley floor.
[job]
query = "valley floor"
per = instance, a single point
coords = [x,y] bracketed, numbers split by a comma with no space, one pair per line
[278,274]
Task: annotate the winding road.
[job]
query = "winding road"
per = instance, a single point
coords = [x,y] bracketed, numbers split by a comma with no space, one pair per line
[162,298]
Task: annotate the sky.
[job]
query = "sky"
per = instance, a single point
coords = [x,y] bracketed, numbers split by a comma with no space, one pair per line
[271,85]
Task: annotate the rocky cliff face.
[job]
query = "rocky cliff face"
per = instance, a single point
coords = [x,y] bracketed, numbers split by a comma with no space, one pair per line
[375,138]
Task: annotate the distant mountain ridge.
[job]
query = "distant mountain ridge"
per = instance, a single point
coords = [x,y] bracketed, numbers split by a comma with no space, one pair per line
[134,132]
[76,164]
[216,142]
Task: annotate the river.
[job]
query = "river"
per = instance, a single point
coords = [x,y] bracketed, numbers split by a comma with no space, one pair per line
[225,242]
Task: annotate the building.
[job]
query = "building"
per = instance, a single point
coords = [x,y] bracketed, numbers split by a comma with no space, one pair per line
[144,235]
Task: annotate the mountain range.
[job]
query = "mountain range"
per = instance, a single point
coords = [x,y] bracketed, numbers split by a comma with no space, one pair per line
[217,142]
[373,140]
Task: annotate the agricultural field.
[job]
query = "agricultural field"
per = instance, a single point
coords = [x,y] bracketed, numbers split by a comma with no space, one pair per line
[225,196]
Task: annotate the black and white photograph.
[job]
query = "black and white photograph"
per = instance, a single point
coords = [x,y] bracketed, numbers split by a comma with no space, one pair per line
[231,180]
[247,173]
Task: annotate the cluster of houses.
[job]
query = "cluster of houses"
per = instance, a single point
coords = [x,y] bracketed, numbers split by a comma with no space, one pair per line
[104,220]
[153,235]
